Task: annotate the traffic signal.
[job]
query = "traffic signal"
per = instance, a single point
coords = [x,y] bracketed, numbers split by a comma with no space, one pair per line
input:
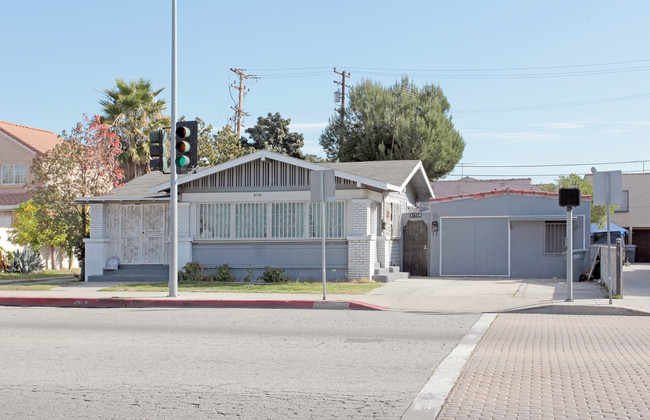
[186,146]
[158,152]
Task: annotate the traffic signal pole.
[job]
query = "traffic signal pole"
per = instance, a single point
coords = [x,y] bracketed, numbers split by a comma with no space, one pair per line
[173,191]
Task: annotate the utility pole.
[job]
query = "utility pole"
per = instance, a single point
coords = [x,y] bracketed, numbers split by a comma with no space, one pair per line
[239,111]
[343,86]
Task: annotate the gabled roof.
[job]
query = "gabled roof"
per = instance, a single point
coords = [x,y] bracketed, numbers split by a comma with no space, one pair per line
[507,191]
[382,175]
[35,139]
[134,190]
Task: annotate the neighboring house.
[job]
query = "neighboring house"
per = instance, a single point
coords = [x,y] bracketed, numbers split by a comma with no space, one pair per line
[469,185]
[503,233]
[20,144]
[634,212]
[255,211]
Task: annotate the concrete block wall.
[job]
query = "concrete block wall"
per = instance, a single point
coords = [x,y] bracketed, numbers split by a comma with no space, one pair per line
[97,225]
[362,246]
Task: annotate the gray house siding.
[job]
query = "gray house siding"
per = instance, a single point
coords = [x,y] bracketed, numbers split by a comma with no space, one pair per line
[300,260]
[528,259]
[459,238]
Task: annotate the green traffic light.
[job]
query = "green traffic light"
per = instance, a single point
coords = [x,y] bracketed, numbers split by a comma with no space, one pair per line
[182,161]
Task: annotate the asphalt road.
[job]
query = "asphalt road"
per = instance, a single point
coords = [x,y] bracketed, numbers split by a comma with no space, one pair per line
[218,363]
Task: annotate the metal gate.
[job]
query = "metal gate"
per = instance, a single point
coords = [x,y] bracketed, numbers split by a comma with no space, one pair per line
[416,244]
[138,233]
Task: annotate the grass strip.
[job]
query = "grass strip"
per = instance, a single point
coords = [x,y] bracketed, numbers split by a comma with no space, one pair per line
[234,287]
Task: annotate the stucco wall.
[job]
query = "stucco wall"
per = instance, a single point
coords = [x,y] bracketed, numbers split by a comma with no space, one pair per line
[15,154]
[526,217]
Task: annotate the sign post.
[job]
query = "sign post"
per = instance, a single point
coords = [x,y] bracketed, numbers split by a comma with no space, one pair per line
[569,198]
[608,190]
[323,189]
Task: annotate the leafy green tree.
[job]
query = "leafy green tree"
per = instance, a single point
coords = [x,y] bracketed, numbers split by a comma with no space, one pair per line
[397,122]
[272,133]
[85,164]
[220,147]
[598,213]
[34,227]
[314,158]
[132,110]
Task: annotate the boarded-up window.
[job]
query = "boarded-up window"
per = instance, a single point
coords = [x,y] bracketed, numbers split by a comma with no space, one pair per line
[555,238]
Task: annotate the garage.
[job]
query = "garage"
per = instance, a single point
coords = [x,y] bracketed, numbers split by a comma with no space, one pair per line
[474,246]
[505,233]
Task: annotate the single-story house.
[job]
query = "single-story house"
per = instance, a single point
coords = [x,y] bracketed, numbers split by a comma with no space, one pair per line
[255,211]
[503,233]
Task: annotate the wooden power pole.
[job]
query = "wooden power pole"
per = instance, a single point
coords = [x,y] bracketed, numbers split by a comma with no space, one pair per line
[343,86]
[239,110]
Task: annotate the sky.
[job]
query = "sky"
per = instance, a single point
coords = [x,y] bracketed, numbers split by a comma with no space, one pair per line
[537,88]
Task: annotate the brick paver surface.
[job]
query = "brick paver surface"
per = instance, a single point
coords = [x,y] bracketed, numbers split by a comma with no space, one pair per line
[542,366]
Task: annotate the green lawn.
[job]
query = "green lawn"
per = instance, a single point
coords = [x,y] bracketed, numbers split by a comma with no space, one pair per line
[350,288]
[44,275]
[37,287]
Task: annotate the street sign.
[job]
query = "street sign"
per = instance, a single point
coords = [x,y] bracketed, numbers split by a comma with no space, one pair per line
[608,187]
[322,185]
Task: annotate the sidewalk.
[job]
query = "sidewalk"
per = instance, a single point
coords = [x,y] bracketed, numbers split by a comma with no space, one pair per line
[585,359]
[441,295]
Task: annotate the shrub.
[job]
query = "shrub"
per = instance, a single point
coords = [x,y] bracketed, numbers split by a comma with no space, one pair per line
[223,273]
[192,271]
[274,275]
[26,261]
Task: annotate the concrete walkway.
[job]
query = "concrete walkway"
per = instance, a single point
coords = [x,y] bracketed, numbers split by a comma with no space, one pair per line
[442,295]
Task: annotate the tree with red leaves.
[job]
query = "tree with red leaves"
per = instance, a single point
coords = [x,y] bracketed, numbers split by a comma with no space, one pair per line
[85,164]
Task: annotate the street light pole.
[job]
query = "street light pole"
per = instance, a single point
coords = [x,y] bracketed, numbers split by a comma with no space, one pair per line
[173,190]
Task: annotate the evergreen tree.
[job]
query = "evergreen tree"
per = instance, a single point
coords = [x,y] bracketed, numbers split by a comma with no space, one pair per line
[272,133]
[393,123]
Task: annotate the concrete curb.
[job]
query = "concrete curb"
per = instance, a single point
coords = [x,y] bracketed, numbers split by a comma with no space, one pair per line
[429,401]
[184,303]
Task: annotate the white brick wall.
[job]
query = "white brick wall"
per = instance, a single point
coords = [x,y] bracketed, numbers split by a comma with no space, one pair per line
[97,225]
[362,246]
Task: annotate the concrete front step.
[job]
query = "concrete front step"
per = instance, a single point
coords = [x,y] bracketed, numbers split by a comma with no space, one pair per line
[134,274]
[388,274]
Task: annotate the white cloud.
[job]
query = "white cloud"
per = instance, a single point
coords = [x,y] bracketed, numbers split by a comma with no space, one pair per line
[308,126]
[517,136]
[559,125]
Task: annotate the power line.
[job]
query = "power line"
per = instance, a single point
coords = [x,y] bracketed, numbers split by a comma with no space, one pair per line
[528,175]
[469,165]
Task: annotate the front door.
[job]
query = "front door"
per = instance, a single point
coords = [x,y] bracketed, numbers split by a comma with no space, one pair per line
[138,233]
[416,244]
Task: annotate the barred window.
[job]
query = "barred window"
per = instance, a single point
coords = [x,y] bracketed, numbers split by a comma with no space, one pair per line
[214,221]
[250,220]
[285,220]
[334,217]
[555,238]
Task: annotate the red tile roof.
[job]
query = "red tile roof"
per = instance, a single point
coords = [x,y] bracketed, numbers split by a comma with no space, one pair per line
[12,199]
[37,140]
[507,191]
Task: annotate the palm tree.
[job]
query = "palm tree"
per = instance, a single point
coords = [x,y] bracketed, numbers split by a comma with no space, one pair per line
[132,109]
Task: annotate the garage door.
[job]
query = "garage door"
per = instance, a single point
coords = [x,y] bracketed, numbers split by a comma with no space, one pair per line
[474,246]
